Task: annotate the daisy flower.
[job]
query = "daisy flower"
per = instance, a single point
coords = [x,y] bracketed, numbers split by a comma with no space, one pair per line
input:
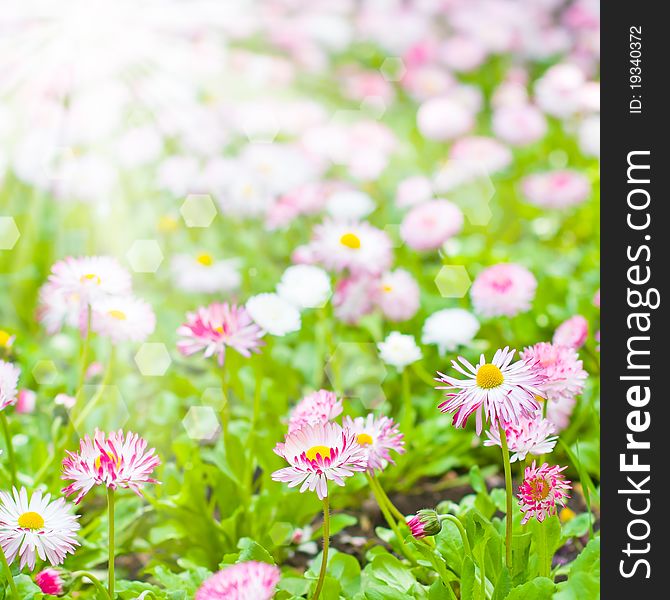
[115,460]
[563,374]
[358,247]
[378,436]
[318,407]
[542,489]
[273,314]
[36,527]
[9,379]
[50,582]
[449,328]
[320,453]
[398,295]
[506,289]
[428,225]
[212,328]
[90,277]
[532,436]
[399,350]
[305,286]
[499,392]
[204,274]
[572,333]
[244,581]
[57,308]
[123,318]
[354,298]
[6,340]
[556,189]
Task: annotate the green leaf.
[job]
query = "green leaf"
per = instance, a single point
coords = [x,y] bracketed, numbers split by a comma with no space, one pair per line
[581,586]
[345,569]
[539,588]
[251,550]
[469,586]
[389,570]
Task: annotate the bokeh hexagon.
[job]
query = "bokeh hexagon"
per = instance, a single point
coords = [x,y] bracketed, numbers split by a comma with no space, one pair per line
[145,256]
[374,106]
[198,210]
[355,371]
[469,185]
[214,397]
[201,423]
[453,281]
[45,372]
[153,359]
[393,68]
[98,406]
[9,233]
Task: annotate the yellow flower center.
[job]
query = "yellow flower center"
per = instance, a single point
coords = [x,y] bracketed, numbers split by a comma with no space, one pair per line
[566,515]
[387,288]
[90,277]
[364,439]
[98,461]
[539,489]
[489,376]
[205,259]
[312,453]
[167,223]
[4,338]
[351,240]
[31,520]
[117,314]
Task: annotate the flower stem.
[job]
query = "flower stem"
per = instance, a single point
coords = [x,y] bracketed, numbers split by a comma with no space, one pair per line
[508,493]
[110,509]
[10,447]
[392,508]
[408,409]
[84,351]
[324,554]
[464,536]
[542,551]
[376,490]
[92,578]
[8,575]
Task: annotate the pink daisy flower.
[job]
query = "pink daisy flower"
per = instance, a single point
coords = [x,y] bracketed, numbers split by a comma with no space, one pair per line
[318,407]
[25,401]
[542,489]
[123,318]
[572,333]
[320,453]
[244,581]
[505,289]
[563,374]
[519,125]
[58,308]
[36,527]
[114,460]
[50,582]
[354,298]
[378,435]
[430,224]
[499,392]
[556,189]
[533,435]
[488,153]
[9,380]
[398,295]
[358,247]
[212,328]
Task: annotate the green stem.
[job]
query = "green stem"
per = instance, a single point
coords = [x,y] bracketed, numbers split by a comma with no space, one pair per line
[408,409]
[92,578]
[225,412]
[10,447]
[110,509]
[508,493]
[8,575]
[84,351]
[324,554]
[542,551]
[464,536]
[394,511]
[374,486]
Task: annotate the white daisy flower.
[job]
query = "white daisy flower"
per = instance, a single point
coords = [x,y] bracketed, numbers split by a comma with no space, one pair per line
[36,527]
[399,350]
[204,274]
[449,328]
[123,318]
[305,286]
[273,314]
